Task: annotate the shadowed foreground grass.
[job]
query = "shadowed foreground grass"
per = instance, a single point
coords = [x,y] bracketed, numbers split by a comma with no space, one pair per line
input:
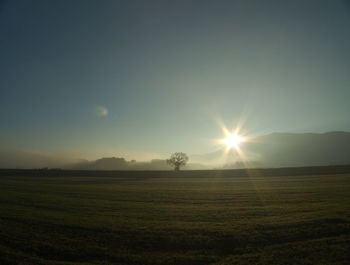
[212,219]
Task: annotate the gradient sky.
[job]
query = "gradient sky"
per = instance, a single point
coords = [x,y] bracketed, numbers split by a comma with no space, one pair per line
[146,78]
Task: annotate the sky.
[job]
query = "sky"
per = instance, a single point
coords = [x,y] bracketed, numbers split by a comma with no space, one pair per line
[143,79]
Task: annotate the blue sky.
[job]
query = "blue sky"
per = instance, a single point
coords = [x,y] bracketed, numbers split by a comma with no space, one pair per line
[166,71]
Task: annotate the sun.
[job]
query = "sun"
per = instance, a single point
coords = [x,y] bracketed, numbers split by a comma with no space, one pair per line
[233,140]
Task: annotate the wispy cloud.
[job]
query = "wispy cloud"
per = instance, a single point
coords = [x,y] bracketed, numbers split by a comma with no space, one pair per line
[11,157]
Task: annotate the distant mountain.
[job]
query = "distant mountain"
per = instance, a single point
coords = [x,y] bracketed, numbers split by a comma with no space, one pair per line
[289,149]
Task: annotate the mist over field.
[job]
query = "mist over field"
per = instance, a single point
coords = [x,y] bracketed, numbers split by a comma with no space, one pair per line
[272,150]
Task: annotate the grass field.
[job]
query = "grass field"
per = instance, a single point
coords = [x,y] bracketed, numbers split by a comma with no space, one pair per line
[168,218]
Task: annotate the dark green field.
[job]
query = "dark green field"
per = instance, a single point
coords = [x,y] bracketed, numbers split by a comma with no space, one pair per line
[166,218]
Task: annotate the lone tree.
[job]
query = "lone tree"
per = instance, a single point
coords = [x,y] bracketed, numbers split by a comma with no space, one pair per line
[177,160]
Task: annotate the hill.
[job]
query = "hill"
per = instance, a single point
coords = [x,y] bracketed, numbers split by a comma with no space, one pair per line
[289,149]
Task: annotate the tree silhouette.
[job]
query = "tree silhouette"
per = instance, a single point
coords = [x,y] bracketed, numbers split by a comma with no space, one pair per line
[177,160]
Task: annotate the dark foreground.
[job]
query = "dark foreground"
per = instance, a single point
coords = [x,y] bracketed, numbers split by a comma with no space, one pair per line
[161,218]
